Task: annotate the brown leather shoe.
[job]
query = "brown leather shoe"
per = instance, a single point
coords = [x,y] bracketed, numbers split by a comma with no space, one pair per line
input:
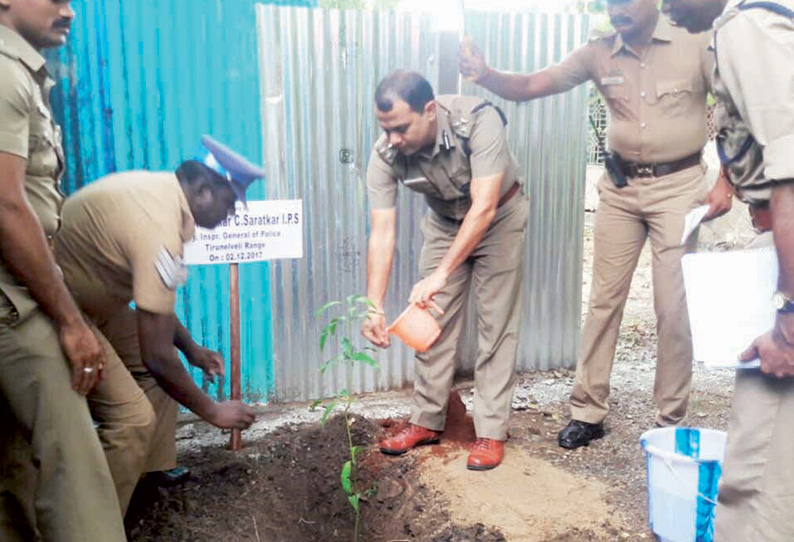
[410,437]
[486,454]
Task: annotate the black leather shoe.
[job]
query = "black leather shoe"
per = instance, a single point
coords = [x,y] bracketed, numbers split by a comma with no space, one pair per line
[578,433]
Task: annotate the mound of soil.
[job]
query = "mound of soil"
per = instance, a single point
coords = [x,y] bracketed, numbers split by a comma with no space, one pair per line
[287,489]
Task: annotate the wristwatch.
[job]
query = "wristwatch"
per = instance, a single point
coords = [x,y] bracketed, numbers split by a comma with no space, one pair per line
[782,302]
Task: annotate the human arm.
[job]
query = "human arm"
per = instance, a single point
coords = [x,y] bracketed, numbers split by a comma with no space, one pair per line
[23,246]
[157,336]
[720,197]
[382,192]
[776,348]
[380,256]
[762,94]
[490,160]
[484,202]
[521,87]
[207,360]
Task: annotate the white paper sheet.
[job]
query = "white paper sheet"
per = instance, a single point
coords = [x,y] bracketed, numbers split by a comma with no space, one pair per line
[692,220]
[729,295]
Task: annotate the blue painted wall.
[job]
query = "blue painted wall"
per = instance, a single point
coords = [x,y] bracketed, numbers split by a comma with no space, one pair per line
[137,85]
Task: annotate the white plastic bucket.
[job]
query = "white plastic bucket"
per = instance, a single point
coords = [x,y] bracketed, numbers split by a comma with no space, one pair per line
[684,467]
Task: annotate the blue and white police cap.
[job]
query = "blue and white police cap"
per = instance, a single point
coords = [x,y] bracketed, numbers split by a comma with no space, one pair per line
[228,164]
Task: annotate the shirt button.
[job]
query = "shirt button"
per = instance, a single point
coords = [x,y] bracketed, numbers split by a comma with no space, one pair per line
[643,125]
[642,64]
[642,94]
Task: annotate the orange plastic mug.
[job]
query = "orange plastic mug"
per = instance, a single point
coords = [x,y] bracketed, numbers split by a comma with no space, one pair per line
[416,327]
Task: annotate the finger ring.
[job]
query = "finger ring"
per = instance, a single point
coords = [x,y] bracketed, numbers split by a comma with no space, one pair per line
[88,369]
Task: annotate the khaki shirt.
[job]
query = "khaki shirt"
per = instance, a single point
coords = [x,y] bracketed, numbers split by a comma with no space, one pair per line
[122,240]
[27,130]
[468,146]
[656,99]
[754,85]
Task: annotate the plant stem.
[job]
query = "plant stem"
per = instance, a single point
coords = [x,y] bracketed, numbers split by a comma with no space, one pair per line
[354,469]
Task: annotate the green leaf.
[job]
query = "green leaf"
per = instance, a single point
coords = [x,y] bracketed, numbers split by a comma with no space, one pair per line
[347,348]
[328,409]
[347,483]
[354,451]
[335,323]
[351,300]
[324,337]
[325,307]
[354,500]
[315,404]
[327,364]
[366,359]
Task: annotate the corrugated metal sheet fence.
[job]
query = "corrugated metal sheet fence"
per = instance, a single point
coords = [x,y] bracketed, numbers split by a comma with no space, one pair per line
[138,83]
[549,137]
[319,70]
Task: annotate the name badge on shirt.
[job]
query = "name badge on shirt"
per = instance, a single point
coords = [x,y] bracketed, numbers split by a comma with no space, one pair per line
[612,80]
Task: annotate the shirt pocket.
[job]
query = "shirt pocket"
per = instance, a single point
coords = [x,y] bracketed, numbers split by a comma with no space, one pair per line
[423,186]
[455,179]
[672,96]
[44,144]
[617,99]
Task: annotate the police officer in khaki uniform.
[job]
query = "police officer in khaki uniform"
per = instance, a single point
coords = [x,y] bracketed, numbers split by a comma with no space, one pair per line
[453,150]
[44,341]
[122,241]
[654,78]
[754,86]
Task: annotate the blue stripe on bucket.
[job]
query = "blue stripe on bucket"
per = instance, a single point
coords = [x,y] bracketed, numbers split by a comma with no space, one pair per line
[648,485]
[708,477]
[687,442]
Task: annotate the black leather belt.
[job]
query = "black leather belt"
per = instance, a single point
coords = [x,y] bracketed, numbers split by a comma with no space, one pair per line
[509,194]
[634,169]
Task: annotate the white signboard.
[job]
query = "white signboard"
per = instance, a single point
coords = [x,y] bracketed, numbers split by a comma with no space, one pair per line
[267,230]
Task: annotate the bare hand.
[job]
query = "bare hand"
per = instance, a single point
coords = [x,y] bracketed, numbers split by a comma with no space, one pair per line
[471,61]
[232,415]
[84,353]
[720,198]
[209,361]
[776,354]
[374,330]
[424,291]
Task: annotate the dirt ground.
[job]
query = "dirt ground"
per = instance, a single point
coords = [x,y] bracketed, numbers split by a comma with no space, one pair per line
[284,486]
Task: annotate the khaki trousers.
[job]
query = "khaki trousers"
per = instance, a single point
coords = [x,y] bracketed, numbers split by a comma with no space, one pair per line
[69,495]
[756,492]
[496,269]
[650,207]
[757,486]
[120,327]
[125,423]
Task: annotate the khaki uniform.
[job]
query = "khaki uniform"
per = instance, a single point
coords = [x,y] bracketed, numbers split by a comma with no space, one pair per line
[753,83]
[470,144]
[122,241]
[69,495]
[657,105]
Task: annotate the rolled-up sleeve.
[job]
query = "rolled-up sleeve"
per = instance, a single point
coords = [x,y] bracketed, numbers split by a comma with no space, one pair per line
[573,70]
[381,183]
[755,52]
[490,154]
[15,100]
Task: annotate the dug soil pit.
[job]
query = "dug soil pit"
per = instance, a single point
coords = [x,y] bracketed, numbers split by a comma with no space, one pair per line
[286,488]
